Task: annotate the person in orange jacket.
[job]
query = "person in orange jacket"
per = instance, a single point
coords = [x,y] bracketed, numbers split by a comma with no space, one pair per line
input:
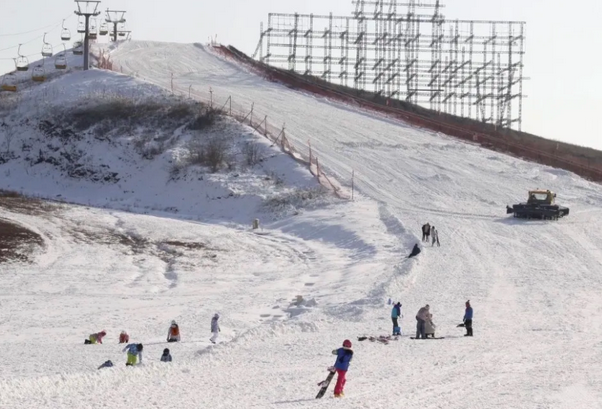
[173,333]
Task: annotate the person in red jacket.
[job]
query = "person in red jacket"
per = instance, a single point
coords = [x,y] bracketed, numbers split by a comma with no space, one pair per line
[123,337]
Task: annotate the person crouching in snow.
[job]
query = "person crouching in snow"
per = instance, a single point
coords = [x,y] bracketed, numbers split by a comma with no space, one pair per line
[344,357]
[173,333]
[123,337]
[215,328]
[166,356]
[430,327]
[95,337]
[134,352]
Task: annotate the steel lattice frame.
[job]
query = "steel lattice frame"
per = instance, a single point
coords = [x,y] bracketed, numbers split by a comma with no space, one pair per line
[471,68]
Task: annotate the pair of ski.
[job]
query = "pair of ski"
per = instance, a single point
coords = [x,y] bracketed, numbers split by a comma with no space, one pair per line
[383,339]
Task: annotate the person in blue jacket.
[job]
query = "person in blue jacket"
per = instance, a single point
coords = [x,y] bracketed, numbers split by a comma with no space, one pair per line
[396,313]
[468,319]
[134,353]
[344,357]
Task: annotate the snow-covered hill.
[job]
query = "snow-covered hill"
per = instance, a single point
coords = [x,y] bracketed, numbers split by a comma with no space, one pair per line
[535,286]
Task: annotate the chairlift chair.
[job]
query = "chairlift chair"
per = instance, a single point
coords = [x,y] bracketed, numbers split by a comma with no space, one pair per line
[9,83]
[60,61]
[92,29]
[81,27]
[121,30]
[78,48]
[65,33]
[104,29]
[46,48]
[38,74]
[22,63]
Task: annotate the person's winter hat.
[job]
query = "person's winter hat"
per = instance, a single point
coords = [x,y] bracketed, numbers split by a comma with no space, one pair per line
[102,332]
[347,343]
[166,351]
[217,316]
[467,304]
[139,347]
[427,307]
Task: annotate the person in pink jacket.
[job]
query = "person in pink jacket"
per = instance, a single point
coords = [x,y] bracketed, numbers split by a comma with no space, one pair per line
[95,337]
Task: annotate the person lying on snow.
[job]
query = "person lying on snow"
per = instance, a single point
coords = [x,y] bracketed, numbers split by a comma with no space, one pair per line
[95,337]
[134,352]
[173,333]
[108,363]
[342,363]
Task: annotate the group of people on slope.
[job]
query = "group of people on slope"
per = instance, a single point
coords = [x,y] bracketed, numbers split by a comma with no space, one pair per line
[425,325]
[134,350]
[428,231]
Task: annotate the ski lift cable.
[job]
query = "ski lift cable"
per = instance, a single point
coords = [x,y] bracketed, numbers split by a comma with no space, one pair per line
[38,29]
[33,39]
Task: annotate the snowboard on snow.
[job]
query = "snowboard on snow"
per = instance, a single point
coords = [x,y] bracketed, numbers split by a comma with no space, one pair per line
[429,338]
[324,385]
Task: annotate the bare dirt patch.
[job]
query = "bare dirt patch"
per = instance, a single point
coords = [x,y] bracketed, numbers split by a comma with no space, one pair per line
[17,242]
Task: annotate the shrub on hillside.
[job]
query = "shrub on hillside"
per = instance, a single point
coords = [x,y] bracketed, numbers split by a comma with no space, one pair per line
[205,119]
[252,153]
[212,153]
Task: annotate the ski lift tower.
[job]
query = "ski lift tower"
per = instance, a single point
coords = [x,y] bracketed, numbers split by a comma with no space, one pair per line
[116,19]
[87,8]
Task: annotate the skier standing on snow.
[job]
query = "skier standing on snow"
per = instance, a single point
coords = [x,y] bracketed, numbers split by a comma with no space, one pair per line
[166,356]
[134,352]
[468,319]
[422,316]
[434,236]
[396,313]
[430,327]
[344,357]
[95,337]
[426,229]
[173,333]
[215,328]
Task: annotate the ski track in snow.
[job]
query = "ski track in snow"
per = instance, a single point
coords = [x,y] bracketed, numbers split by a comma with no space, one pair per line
[535,286]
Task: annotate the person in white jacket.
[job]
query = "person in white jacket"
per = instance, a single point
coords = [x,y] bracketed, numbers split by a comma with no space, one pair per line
[430,327]
[434,236]
[215,328]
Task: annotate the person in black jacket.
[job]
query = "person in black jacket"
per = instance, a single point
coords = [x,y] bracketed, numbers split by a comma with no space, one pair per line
[426,231]
[415,251]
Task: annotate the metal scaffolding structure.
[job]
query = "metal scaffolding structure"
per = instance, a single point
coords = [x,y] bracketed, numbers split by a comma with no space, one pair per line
[407,51]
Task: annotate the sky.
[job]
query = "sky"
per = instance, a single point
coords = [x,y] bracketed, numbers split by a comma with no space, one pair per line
[562,61]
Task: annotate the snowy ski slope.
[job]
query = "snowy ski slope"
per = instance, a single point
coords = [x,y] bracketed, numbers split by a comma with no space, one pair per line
[535,286]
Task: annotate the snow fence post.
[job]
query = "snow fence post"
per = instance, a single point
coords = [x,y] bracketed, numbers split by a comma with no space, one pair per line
[256,224]
[352,185]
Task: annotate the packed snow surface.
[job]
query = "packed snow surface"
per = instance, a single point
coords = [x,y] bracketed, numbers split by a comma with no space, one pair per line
[535,285]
